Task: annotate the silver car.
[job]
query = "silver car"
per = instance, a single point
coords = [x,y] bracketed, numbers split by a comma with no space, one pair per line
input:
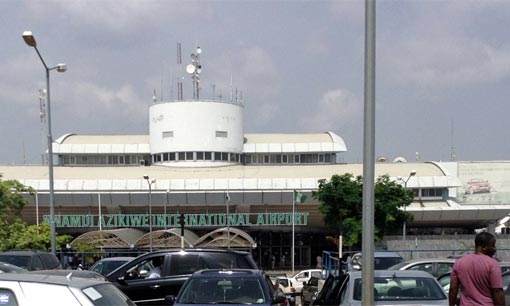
[390,288]
[24,289]
[434,266]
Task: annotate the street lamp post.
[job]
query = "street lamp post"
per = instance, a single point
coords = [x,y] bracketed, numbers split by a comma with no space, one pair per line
[30,41]
[150,182]
[412,173]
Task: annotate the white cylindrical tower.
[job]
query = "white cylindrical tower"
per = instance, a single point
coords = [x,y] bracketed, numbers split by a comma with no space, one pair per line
[196,133]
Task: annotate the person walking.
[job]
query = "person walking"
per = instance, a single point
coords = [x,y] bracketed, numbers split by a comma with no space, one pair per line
[478,276]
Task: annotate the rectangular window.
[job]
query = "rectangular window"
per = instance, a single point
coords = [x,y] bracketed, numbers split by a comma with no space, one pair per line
[172,155]
[168,134]
[233,157]
[321,158]
[278,159]
[158,157]
[166,156]
[260,159]
[266,159]
[272,159]
[182,156]
[121,159]
[327,158]
[224,156]
[296,158]
[222,134]
[200,155]
[217,156]
[189,155]
[284,159]
[208,156]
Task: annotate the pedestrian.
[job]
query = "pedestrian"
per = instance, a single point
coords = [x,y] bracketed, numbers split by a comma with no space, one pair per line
[478,276]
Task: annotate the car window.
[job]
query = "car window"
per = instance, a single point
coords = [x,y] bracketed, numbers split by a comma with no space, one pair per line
[37,263]
[183,264]
[402,289]
[106,294]
[44,294]
[7,298]
[226,260]
[316,274]
[20,261]
[427,267]
[443,268]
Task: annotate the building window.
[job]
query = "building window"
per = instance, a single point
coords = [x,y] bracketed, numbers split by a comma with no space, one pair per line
[200,155]
[296,158]
[182,156]
[222,134]
[168,134]
[224,156]
[432,192]
[172,156]
[217,156]
[266,159]
[327,158]
[208,156]
[189,155]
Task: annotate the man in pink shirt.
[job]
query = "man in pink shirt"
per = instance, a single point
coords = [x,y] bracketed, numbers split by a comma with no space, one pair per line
[478,276]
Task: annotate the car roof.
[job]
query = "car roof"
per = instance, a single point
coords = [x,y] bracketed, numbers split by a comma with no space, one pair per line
[21,252]
[227,272]
[73,273]
[383,254]
[179,250]
[411,261]
[75,282]
[118,258]
[391,273]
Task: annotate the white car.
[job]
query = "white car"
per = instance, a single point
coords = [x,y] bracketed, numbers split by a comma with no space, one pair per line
[304,276]
[20,289]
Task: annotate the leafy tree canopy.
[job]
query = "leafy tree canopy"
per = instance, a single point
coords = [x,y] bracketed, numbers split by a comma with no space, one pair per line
[14,232]
[341,203]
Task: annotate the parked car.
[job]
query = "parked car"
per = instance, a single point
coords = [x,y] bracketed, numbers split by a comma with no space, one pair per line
[31,260]
[309,291]
[70,273]
[382,260]
[107,265]
[434,266]
[285,285]
[10,268]
[230,286]
[25,289]
[303,276]
[390,288]
[444,280]
[177,266]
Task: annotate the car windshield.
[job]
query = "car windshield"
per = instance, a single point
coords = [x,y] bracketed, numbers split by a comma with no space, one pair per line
[223,290]
[107,266]
[383,263]
[18,260]
[106,294]
[402,289]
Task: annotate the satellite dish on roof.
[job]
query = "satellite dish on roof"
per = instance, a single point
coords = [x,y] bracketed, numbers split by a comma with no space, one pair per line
[190,68]
[400,159]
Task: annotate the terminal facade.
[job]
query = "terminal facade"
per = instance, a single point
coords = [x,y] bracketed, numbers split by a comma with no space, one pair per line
[198,161]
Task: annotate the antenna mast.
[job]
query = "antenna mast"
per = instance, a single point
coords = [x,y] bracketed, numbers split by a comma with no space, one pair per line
[194,69]
[452,148]
[181,77]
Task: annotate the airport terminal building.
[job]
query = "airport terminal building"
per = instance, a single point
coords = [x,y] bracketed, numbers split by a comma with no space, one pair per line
[234,188]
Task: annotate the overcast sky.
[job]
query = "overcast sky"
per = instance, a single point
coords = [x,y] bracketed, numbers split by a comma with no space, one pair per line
[443,70]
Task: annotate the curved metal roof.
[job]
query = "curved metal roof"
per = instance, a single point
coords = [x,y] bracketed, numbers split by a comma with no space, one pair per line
[114,238]
[169,238]
[227,237]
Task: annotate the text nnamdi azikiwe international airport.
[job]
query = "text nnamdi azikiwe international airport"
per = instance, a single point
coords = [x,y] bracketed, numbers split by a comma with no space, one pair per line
[190,220]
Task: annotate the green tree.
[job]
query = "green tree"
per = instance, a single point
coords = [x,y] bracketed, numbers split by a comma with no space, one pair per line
[14,232]
[341,203]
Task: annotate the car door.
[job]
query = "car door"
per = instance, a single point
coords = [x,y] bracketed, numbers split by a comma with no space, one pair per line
[135,284]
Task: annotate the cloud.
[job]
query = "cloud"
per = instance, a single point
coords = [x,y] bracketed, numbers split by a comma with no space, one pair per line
[105,103]
[338,108]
